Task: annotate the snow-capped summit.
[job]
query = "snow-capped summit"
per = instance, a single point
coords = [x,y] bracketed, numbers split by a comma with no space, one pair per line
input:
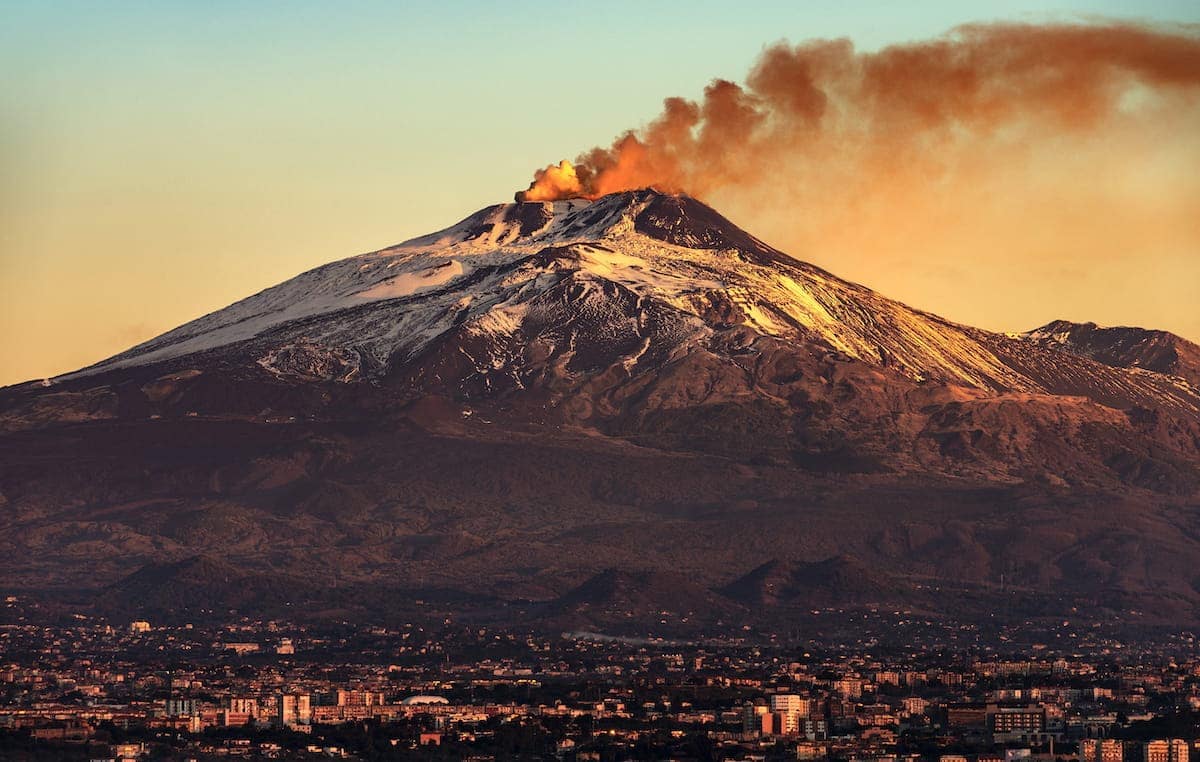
[632,280]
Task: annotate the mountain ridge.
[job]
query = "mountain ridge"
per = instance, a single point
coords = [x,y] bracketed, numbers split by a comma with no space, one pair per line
[1124,347]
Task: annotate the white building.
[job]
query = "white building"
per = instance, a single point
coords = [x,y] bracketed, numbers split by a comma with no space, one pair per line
[294,709]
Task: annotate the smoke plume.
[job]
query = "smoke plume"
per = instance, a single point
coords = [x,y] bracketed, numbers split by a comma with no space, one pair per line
[821,102]
[1003,174]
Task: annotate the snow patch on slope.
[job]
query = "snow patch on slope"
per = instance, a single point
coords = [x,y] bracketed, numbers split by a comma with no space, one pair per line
[407,284]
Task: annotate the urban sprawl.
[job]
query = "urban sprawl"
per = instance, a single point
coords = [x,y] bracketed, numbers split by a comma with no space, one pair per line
[874,686]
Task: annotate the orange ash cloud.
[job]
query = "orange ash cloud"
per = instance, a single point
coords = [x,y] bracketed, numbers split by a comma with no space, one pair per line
[554,182]
[822,112]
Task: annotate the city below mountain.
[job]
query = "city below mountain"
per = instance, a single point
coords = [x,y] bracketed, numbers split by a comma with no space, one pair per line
[625,414]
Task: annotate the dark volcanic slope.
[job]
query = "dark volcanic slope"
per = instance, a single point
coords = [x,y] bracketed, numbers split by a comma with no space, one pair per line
[196,585]
[615,595]
[838,580]
[598,413]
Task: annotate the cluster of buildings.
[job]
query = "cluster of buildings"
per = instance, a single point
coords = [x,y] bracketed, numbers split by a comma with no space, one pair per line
[1002,730]
[901,689]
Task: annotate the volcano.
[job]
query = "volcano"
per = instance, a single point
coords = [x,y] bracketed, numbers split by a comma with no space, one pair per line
[491,415]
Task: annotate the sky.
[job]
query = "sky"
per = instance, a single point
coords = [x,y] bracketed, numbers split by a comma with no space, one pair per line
[160,160]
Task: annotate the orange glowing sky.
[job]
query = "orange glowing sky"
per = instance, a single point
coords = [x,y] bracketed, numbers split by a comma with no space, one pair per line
[160,162]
